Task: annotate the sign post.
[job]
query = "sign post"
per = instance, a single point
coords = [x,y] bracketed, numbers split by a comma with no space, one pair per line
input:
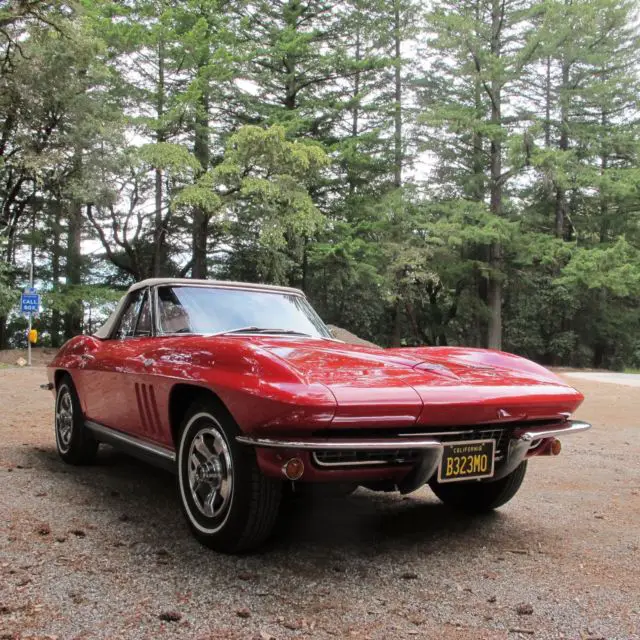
[30,300]
[29,304]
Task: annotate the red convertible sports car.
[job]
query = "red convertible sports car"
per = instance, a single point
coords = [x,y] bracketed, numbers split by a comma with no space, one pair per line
[241,389]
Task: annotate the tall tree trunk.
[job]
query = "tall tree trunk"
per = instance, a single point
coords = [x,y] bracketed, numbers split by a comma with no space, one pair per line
[397,116]
[33,244]
[56,205]
[477,188]
[305,263]
[355,111]
[494,301]
[494,285]
[478,185]
[547,104]
[200,217]
[562,204]
[396,336]
[291,13]
[604,165]
[4,338]
[159,233]
[73,271]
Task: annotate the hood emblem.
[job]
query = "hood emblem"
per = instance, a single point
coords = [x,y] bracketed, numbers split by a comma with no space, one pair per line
[503,414]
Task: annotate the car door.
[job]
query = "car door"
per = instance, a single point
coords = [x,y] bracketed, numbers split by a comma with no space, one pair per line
[119,394]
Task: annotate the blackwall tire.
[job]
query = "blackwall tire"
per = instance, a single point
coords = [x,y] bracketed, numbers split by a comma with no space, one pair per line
[480,497]
[74,442]
[229,505]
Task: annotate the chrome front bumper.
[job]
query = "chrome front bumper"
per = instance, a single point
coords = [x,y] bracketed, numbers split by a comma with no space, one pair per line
[526,439]
[521,442]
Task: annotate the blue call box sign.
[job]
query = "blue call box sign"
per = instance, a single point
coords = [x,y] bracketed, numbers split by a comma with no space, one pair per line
[30,301]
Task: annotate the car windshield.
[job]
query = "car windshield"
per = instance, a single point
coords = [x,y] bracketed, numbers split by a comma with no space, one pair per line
[207,310]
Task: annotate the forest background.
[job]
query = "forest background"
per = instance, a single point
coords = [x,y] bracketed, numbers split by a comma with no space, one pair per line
[458,172]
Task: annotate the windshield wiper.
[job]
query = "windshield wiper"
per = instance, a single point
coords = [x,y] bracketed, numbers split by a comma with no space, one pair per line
[263,330]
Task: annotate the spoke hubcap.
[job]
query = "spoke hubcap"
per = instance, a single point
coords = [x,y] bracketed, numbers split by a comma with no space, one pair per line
[210,472]
[64,418]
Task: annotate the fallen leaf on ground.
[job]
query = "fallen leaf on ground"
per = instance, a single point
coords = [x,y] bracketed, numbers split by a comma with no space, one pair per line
[170,616]
[293,625]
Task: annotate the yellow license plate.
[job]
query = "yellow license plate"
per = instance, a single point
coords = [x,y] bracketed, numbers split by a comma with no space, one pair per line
[467,460]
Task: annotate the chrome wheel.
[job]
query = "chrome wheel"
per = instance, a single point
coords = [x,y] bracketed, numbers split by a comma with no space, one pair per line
[227,501]
[64,418]
[210,472]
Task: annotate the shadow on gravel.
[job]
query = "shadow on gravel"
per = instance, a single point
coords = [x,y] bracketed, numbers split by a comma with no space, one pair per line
[321,532]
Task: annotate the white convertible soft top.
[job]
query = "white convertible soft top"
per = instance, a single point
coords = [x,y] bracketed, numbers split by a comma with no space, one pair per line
[186,282]
[105,330]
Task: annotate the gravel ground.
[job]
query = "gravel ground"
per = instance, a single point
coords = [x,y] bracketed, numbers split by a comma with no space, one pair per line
[625,379]
[103,552]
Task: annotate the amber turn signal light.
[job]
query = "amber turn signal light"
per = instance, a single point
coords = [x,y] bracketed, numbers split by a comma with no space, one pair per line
[293,469]
[556,447]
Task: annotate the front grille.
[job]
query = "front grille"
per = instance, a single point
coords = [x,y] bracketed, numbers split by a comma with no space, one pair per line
[350,458]
[353,458]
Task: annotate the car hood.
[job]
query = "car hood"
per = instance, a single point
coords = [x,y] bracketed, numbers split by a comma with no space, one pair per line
[437,386]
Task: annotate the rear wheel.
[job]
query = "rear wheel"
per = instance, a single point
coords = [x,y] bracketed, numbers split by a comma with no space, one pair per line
[75,443]
[229,505]
[479,497]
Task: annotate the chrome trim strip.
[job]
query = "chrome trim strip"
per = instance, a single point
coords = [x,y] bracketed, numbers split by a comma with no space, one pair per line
[357,463]
[567,428]
[155,318]
[111,334]
[523,440]
[158,332]
[485,427]
[111,436]
[422,434]
[520,443]
[550,427]
[353,445]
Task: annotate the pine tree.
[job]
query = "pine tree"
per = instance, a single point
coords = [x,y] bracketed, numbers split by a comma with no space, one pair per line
[475,126]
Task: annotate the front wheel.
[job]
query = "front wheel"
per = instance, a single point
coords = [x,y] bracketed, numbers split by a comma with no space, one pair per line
[479,497]
[229,505]
[75,443]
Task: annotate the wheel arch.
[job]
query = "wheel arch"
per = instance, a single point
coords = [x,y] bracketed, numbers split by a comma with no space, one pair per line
[181,397]
[58,375]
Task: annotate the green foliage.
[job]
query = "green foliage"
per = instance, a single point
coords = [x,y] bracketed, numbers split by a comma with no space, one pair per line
[614,269]
[265,179]
[422,171]
[174,158]
[9,294]
[65,298]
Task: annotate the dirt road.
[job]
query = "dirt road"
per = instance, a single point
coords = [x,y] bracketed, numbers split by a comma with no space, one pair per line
[103,552]
[609,377]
